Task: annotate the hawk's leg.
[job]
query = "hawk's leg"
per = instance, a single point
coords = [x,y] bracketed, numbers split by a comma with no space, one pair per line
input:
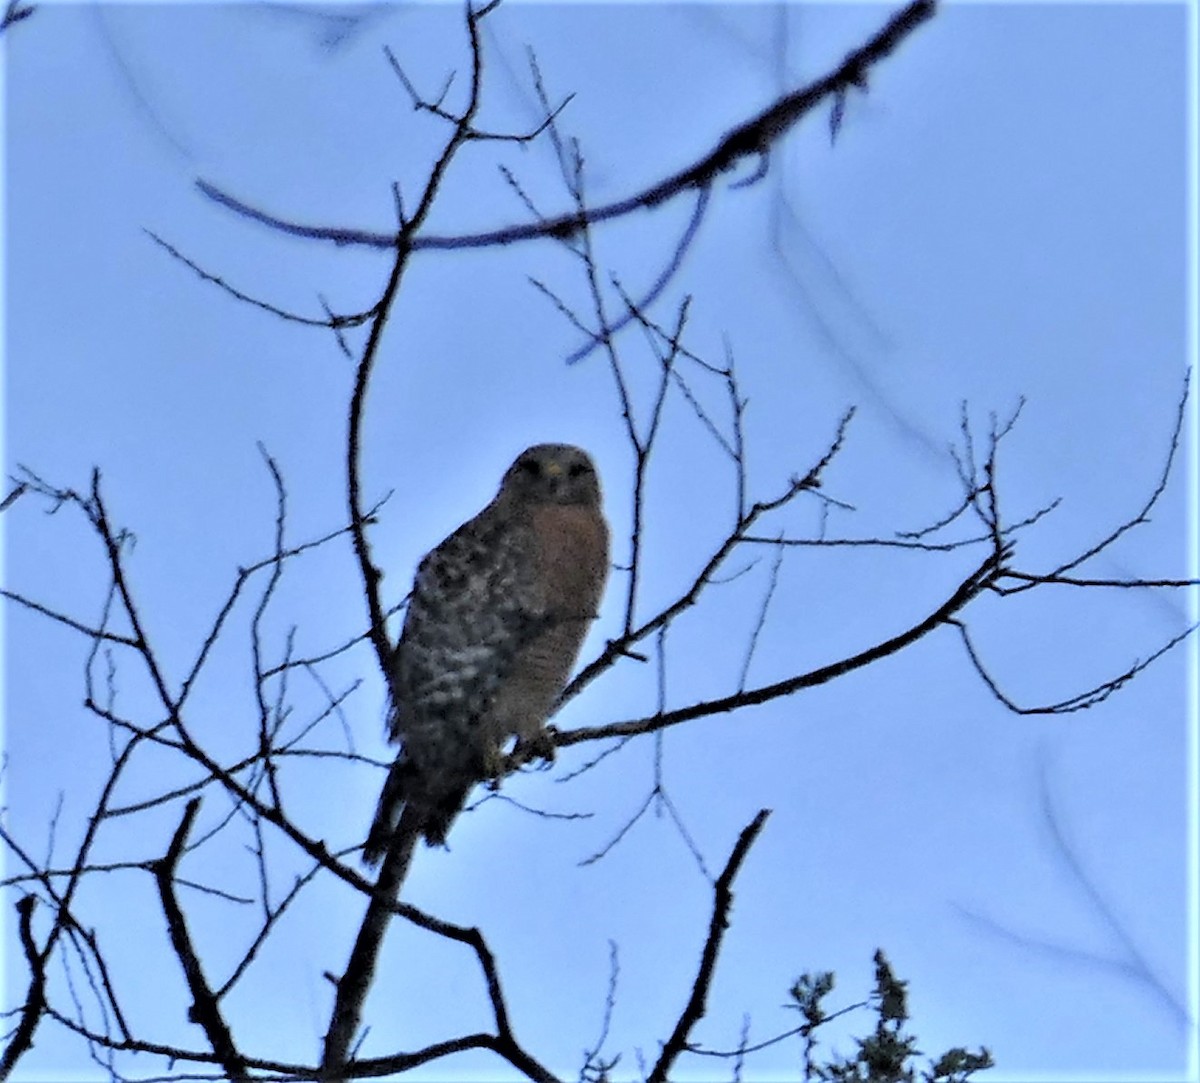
[540,746]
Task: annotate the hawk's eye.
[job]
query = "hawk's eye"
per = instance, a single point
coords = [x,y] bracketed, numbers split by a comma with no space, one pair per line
[531,467]
[577,470]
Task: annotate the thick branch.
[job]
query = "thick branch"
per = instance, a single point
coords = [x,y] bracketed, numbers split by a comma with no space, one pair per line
[35,998]
[693,1011]
[373,1067]
[205,1010]
[355,983]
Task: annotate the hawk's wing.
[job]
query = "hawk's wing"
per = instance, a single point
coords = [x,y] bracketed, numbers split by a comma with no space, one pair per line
[474,605]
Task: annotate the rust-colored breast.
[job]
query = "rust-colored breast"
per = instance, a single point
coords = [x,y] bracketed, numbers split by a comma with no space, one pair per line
[571,556]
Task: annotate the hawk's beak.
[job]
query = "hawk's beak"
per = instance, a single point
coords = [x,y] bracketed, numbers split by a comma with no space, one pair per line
[554,470]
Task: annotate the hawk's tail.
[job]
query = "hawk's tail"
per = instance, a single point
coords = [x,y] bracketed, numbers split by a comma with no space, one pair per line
[389,812]
[402,813]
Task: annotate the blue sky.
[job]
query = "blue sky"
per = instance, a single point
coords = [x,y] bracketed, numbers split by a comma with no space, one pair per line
[1008,213]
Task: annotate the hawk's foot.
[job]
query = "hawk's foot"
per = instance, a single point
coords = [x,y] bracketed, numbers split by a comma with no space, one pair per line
[538,747]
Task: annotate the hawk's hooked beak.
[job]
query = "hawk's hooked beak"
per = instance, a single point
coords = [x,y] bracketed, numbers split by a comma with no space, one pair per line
[554,470]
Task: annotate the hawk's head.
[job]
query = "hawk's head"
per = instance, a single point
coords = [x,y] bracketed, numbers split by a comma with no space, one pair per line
[552,474]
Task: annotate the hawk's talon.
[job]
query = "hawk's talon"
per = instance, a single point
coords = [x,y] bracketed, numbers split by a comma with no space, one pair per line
[540,746]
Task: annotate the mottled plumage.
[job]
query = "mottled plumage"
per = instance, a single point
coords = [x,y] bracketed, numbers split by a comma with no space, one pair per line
[494,624]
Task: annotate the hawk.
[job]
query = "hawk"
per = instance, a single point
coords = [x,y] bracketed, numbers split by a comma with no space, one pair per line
[494,624]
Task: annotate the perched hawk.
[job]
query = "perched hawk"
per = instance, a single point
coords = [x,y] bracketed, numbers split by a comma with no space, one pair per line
[494,624]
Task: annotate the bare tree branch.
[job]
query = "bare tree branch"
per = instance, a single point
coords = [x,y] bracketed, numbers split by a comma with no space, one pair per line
[354,984]
[205,1010]
[70,622]
[1142,516]
[755,136]
[694,1010]
[970,588]
[620,647]
[14,13]
[1080,701]
[403,243]
[335,323]
[35,997]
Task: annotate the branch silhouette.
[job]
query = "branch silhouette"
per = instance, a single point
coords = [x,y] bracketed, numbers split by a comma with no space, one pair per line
[755,136]
[694,1010]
